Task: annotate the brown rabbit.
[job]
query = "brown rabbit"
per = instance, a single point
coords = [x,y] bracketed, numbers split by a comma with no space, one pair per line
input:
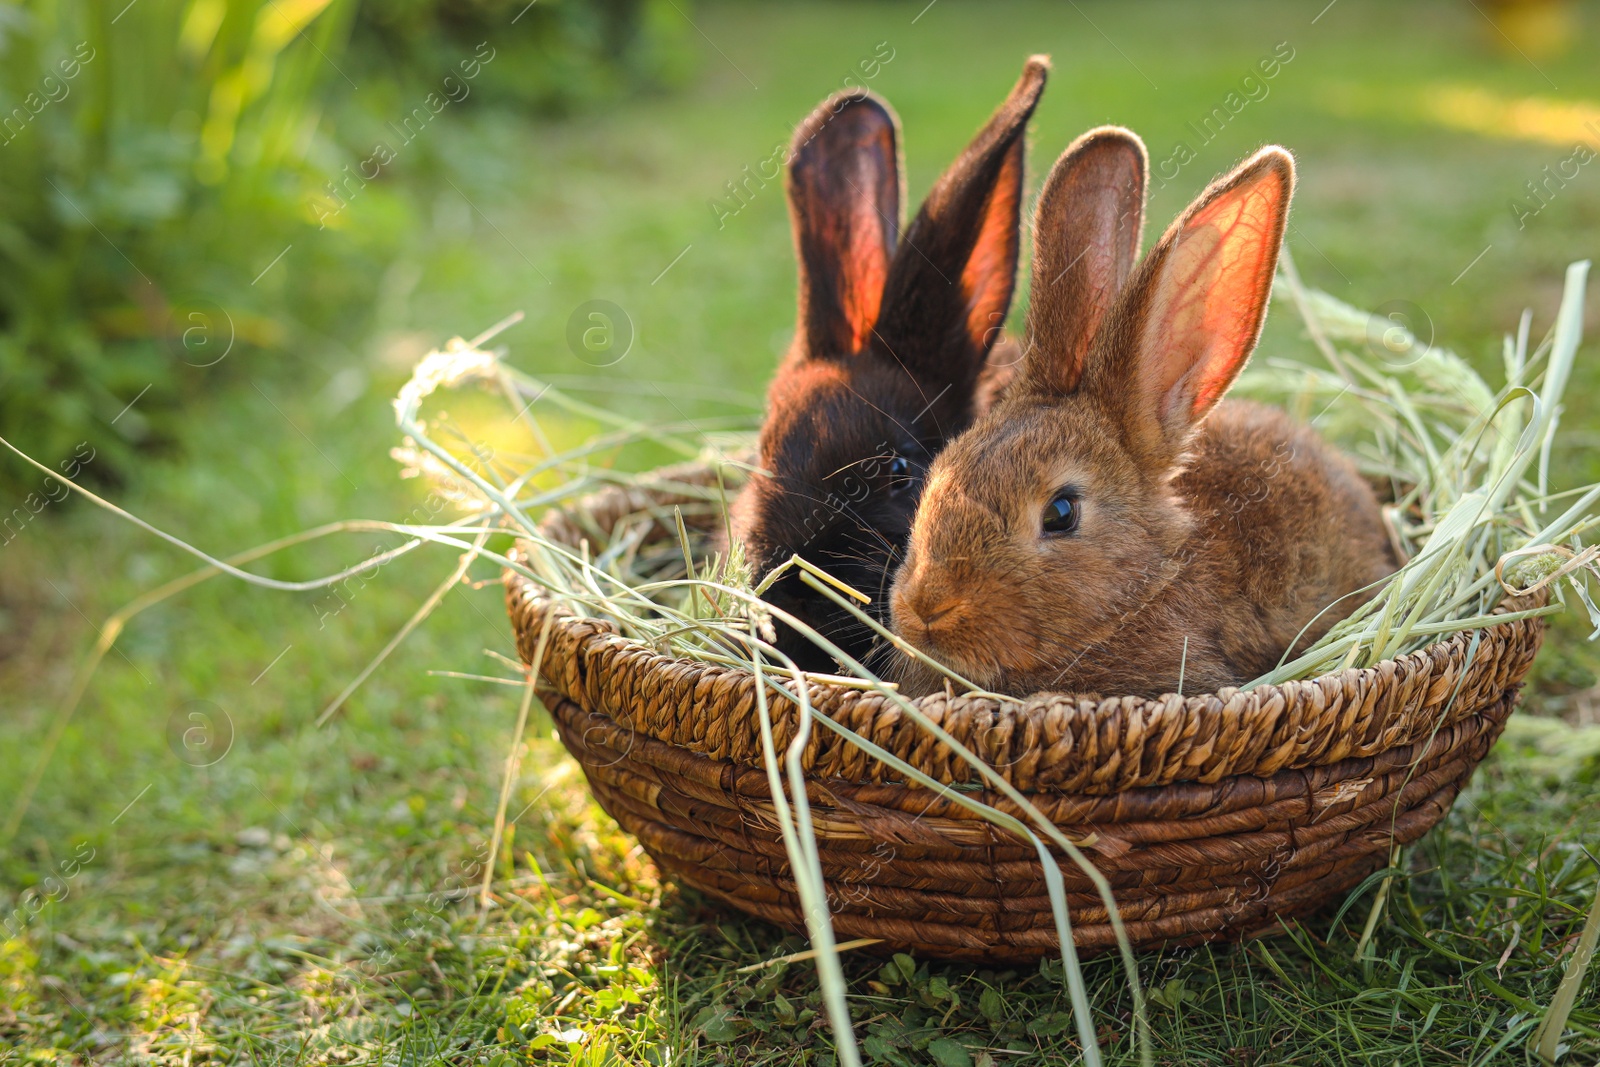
[891,356]
[1110,526]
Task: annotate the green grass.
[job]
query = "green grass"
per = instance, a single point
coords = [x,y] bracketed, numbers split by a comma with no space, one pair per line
[274,906]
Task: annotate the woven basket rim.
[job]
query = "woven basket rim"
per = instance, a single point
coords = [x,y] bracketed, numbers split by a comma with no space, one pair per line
[1357,711]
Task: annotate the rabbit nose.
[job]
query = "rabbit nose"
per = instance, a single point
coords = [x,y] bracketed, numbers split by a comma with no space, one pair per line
[929,614]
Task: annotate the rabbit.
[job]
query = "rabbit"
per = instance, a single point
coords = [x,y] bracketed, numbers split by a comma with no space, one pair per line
[1113,526]
[891,351]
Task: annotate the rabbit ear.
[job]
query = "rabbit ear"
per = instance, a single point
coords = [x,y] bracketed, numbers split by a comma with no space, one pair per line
[1193,315]
[954,272]
[1087,230]
[844,202]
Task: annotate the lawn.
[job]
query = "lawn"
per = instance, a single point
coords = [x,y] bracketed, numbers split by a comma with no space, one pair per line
[235,883]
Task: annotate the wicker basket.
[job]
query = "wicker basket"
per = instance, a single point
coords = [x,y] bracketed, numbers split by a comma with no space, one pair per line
[1211,815]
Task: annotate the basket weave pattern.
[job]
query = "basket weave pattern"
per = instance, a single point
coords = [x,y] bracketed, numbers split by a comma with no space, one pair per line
[1210,815]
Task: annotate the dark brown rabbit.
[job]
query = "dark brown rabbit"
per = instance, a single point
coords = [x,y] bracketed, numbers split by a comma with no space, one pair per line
[891,350]
[1110,526]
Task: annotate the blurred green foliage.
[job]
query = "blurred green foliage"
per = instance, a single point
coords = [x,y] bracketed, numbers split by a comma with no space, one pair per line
[148,161]
[564,53]
[157,160]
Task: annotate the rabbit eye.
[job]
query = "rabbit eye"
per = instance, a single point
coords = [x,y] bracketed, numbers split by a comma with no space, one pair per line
[1061,514]
[899,474]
